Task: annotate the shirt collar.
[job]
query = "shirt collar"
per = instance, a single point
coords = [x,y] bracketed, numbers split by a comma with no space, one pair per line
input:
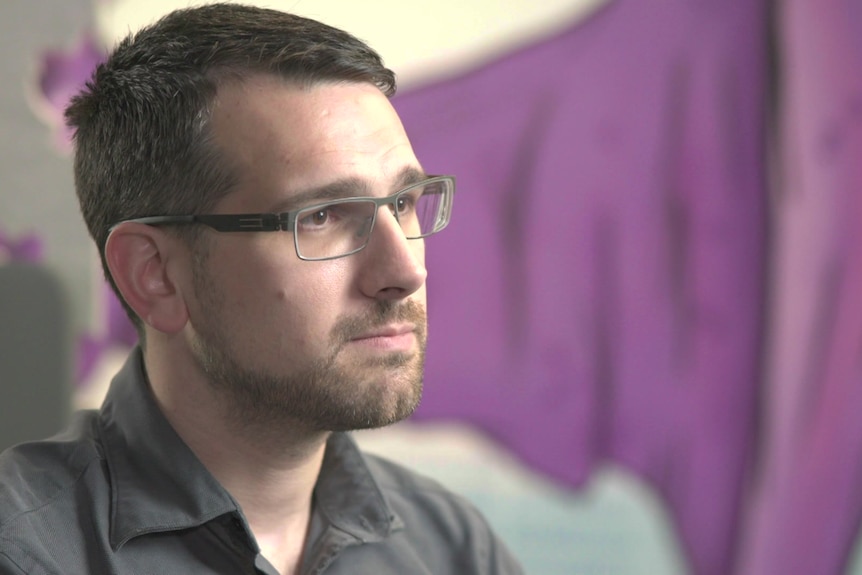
[348,495]
[158,484]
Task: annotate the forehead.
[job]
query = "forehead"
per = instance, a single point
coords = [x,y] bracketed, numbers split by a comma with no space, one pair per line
[282,138]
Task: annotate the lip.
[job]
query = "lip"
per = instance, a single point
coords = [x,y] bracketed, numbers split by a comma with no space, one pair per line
[400,337]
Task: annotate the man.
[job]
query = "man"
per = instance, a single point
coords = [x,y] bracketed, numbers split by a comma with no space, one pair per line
[259,209]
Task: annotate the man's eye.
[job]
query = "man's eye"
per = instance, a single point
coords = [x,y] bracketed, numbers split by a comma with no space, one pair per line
[404,204]
[316,218]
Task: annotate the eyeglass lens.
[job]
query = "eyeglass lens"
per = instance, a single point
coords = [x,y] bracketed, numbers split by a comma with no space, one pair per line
[343,227]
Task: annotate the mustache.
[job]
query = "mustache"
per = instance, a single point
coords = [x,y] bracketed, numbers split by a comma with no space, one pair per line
[383,312]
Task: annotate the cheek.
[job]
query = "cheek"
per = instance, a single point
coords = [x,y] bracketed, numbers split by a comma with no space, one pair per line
[307,301]
[309,284]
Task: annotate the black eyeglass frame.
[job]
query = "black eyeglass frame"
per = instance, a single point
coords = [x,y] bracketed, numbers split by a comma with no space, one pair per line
[286,221]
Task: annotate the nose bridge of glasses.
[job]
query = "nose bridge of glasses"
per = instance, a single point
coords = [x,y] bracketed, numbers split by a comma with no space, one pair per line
[390,203]
[366,223]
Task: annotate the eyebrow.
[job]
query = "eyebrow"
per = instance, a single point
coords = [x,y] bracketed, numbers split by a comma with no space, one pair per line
[346,188]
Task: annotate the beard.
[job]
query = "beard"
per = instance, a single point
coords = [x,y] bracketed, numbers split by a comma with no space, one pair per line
[330,392]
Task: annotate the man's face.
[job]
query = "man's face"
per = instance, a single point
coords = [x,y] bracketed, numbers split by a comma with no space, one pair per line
[331,345]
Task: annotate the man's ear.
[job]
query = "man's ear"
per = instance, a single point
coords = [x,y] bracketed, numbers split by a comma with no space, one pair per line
[137,256]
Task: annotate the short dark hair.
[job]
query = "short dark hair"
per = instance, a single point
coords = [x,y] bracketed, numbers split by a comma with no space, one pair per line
[142,140]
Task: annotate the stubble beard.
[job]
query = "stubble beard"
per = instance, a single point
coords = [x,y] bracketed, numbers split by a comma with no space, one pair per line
[329,393]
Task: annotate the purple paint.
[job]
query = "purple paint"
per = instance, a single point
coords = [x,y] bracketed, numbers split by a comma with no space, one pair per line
[599,295]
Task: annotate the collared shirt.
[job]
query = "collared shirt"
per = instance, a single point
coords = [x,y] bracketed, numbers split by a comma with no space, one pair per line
[120,492]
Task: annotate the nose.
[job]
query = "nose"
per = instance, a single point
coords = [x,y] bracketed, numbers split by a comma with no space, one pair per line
[392,266]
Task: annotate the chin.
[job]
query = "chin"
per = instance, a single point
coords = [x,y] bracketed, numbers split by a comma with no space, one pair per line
[393,402]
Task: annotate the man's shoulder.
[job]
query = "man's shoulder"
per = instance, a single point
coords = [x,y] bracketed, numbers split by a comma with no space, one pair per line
[440,525]
[411,493]
[35,474]
[393,476]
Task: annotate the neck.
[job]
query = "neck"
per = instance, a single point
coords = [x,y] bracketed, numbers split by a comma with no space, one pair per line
[271,473]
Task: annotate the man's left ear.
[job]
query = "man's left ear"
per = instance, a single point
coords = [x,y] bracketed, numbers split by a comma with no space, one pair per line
[138,256]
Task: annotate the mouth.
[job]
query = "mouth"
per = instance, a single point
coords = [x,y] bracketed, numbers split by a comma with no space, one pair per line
[392,337]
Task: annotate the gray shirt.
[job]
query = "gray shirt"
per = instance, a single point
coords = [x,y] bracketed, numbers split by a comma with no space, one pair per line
[120,492]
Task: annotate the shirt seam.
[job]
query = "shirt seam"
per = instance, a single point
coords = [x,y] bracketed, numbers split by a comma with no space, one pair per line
[22,551]
[60,492]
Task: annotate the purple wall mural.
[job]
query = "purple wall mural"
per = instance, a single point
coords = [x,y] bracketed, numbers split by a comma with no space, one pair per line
[807,503]
[27,248]
[599,296]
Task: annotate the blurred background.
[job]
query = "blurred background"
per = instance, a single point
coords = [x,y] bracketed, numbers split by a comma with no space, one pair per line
[645,316]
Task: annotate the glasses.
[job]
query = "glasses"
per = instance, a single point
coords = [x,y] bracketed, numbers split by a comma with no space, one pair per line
[340,227]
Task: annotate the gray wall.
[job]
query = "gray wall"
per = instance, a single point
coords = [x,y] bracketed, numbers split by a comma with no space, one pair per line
[36,188]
